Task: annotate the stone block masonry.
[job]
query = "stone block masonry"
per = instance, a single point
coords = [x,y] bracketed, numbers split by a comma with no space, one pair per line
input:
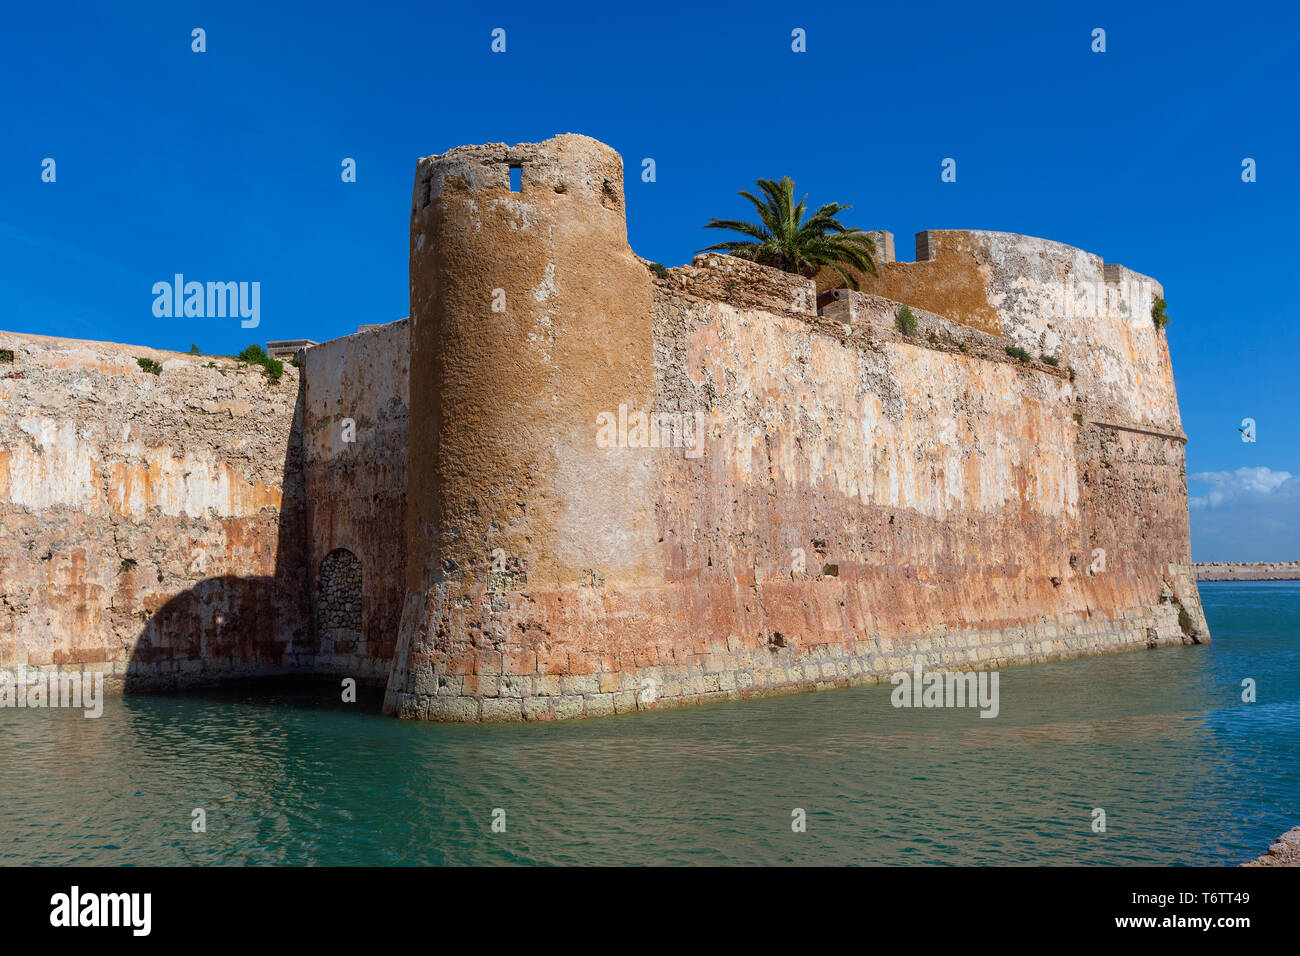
[338,590]
[425,505]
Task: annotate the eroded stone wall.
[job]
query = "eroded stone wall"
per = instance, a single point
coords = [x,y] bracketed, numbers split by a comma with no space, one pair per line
[1050,299]
[865,500]
[856,500]
[152,525]
[530,316]
[355,449]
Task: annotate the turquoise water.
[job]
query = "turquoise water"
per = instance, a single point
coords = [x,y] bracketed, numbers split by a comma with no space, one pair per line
[1186,772]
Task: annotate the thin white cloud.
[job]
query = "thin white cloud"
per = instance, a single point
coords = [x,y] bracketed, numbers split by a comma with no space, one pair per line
[1229,486]
[1251,514]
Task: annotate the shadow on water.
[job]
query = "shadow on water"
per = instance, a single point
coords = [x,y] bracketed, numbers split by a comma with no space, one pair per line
[298,692]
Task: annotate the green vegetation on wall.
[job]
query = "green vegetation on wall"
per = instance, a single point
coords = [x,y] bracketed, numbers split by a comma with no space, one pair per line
[1158,315]
[256,355]
[906,321]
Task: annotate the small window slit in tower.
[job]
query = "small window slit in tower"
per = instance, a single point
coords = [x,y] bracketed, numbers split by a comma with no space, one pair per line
[516,174]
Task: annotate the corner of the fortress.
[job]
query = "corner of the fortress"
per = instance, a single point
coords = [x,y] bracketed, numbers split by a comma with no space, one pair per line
[530,316]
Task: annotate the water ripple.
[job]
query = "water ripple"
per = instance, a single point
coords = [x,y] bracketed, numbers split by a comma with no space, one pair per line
[1185,771]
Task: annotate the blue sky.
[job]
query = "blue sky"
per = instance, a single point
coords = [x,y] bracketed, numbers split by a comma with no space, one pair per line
[225,165]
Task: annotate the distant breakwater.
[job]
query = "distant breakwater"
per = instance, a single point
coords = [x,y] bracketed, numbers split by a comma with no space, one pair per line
[1247,570]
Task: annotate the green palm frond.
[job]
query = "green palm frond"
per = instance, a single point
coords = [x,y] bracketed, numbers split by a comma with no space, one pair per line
[786,240]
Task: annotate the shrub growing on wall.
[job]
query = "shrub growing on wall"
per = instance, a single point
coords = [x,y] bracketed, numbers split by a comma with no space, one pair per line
[256,355]
[906,321]
[1158,315]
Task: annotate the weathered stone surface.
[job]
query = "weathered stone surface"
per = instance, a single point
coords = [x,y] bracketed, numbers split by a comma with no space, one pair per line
[149,520]
[861,500]
[354,439]
[862,495]
[1285,852]
[1049,299]
[743,284]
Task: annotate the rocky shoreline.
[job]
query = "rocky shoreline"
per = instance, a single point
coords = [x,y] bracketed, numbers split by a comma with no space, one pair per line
[1285,852]
[1247,570]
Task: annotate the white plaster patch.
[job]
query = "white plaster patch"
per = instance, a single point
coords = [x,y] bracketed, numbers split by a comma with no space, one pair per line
[546,288]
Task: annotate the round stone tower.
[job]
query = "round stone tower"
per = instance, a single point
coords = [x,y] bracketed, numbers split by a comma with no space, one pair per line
[530,316]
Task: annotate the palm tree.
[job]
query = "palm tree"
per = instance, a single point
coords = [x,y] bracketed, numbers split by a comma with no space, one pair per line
[803,248]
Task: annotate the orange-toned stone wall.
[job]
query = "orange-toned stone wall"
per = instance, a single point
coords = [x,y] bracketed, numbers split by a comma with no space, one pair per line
[854,501]
[529,317]
[950,277]
[355,447]
[860,505]
[1050,299]
[169,530]
[863,500]
[151,526]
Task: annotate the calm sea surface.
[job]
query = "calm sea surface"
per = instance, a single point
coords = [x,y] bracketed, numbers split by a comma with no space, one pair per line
[1186,772]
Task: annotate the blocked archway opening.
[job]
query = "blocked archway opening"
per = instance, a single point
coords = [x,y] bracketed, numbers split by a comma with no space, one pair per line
[339,603]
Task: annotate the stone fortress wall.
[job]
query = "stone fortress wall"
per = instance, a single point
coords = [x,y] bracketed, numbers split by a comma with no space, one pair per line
[151,526]
[864,500]
[860,500]
[354,451]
